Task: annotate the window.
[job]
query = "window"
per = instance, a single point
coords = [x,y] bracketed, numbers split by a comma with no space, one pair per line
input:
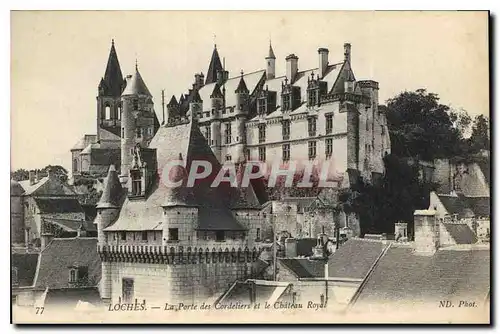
[311,126]
[208,136]
[136,183]
[228,133]
[127,290]
[228,158]
[75,165]
[286,102]
[154,236]
[144,236]
[262,133]
[329,147]
[383,129]
[136,104]
[286,152]
[138,132]
[119,111]
[73,275]
[312,150]
[123,236]
[247,154]
[15,280]
[173,234]
[83,275]
[220,236]
[123,132]
[258,234]
[285,130]
[262,154]
[329,124]
[107,112]
[262,106]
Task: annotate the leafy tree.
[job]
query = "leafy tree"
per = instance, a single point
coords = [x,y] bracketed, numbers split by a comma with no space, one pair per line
[480,137]
[23,174]
[420,126]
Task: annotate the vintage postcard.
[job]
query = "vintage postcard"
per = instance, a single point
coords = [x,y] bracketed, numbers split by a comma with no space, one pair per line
[250,167]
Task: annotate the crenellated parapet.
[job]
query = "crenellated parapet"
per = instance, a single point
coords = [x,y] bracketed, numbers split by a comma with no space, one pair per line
[356,98]
[175,255]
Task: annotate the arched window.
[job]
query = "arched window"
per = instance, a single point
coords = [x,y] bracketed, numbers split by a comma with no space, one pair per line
[108,112]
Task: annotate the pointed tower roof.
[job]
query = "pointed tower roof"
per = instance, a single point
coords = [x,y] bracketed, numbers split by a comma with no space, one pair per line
[216,93]
[242,87]
[136,85]
[173,101]
[112,192]
[111,83]
[271,52]
[214,67]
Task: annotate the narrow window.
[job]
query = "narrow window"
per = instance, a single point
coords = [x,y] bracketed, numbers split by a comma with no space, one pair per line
[144,236]
[285,129]
[329,147]
[262,154]
[173,234]
[329,124]
[127,290]
[286,152]
[262,133]
[312,150]
[107,112]
[123,236]
[311,126]
[73,275]
[258,234]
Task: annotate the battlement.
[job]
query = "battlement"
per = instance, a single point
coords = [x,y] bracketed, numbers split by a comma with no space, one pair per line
[175,255]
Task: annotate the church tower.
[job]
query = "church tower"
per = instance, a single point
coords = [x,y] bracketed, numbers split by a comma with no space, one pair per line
[138,120]
[108,100]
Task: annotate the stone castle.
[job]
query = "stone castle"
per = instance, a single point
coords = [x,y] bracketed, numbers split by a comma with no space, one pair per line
[190,243]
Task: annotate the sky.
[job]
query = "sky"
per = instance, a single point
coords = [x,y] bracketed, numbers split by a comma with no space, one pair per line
[59,57]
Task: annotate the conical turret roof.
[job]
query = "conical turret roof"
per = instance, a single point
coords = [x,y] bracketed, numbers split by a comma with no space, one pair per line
[242,87]
[136,85]
[271,52]
[112,193]
[214,67]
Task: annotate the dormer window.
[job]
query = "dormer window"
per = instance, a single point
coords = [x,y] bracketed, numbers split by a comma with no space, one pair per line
[136,183]
[73,275]
[78,275]
[262,105]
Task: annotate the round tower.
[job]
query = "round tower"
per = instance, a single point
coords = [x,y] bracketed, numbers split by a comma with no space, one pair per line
[109,204]
[216,103]
[16,213]
[137,120]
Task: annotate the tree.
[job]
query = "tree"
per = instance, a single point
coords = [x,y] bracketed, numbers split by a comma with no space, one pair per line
[420,126]
[23,174]
[480,137]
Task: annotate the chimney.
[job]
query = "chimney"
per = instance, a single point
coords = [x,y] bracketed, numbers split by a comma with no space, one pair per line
[32,177]
[292,63]
[426,232]
[323,61]
[81,232]
[290,247]
[347,52]
[199,80]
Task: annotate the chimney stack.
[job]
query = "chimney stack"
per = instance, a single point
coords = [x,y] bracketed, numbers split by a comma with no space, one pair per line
[347,52]
[81,232]
[426,232]
[323,61]
[292,67]
[32,177]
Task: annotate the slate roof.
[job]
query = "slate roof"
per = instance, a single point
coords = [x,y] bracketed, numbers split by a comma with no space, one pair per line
[461,233]
[60,255]
[214,204]
[304,268]
[26,264]
[479,205]
[465,207]
[136,85]
[450,274]
[305,246]
[71,225]
[270,54]
[484,165]
[113,192]
[90,211]
[58,205]
[214,67]
[265,291]
[113,79]
[354,258]
[46,186]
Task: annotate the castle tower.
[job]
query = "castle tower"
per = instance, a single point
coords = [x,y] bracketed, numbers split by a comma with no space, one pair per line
[138,120]
[108,209]
[270,63]
[16,214]
[195,106]
[217,100]
[241,114]
[173,111]
[108,99]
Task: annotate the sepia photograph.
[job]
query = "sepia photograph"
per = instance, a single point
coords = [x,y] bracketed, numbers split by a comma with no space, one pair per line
[250,167]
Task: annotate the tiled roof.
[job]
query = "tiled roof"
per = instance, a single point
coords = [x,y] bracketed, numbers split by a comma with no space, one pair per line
[113,191]
[354,258]
[213,204]
[214,67]
[15,188]
[461,233]
[71,225]
[60,255]
[136,85]
[58,205]
[401,276]
[26,267]
[304,268]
